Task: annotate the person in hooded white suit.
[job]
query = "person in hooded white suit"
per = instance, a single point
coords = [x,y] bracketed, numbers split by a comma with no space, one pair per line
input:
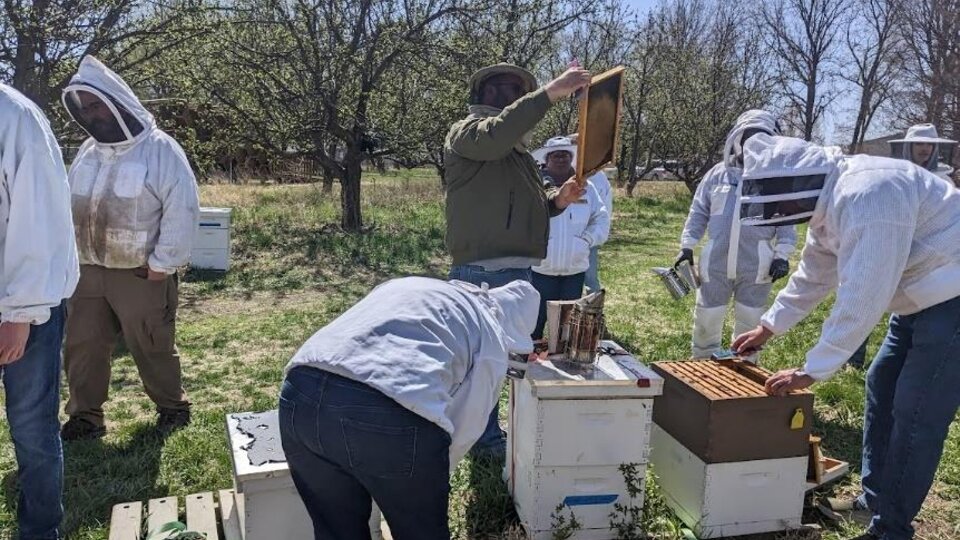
[885,235]
[135,211]
[384,401]
[925,148]
[738,262]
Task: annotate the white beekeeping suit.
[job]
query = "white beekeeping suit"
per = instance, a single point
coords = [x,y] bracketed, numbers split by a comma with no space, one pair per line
[134,199]
[884,234]
[438,348]
[38,257]
[736,261]
[940,158]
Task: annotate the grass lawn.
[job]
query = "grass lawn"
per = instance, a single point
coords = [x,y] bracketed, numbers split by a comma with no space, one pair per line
[294,271]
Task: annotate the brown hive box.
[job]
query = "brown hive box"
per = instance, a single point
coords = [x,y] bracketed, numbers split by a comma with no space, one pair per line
[720,412]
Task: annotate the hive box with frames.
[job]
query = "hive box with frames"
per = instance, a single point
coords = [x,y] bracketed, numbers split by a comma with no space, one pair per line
[599,123]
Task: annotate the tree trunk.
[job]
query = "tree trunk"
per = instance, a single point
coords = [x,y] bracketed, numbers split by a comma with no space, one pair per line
[327,182]
[351,219]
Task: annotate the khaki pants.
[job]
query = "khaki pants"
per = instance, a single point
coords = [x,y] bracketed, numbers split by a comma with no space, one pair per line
[107,303]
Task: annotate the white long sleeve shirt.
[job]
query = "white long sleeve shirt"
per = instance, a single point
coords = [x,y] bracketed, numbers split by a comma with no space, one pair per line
[885,235]
[38,255]
[437,348]
[582,226]
[134,203]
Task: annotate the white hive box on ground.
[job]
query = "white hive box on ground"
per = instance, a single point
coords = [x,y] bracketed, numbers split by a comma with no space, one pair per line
[568,436]
[211,243]
[728,499]
[267,502]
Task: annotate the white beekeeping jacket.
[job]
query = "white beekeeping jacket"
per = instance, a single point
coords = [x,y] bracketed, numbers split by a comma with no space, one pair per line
[884,234]
[135,202]
[38,257]
[437,348]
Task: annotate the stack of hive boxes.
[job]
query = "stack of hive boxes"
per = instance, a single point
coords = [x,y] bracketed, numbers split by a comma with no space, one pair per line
[211,242]
[731,460]
[569,432]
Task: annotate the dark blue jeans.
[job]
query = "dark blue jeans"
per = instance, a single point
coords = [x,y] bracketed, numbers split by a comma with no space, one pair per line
[32,387]
[555,288]
[912,397]
[346,442]
[859,357]
[493,439]
[592,279]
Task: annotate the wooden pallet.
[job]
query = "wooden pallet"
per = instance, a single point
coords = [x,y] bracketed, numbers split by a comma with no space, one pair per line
[199,511]
[202,514]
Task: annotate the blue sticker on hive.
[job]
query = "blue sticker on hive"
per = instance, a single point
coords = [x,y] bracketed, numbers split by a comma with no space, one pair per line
[587,500]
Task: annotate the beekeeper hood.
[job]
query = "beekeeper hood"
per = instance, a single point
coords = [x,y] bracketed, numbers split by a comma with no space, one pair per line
[104,106]
[749,123]
[514,307]
[925,134]
[783,178]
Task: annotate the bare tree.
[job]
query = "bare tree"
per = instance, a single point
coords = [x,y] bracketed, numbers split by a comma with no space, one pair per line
[40,40]
[874,44]
[310,74]
[802,35]
[695,70]
[931,91]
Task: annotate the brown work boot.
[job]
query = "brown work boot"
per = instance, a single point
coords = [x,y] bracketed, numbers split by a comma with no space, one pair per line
[78,429]
[170,420]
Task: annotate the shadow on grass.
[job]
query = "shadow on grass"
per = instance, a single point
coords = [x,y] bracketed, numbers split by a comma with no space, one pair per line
[98,475]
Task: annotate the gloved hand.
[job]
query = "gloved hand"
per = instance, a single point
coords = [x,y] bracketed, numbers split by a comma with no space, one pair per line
[779,268]
[686,254]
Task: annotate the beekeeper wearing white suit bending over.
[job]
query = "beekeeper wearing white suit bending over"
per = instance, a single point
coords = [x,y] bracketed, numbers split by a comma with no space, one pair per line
[135,213]
[384,401]
[736,261]
[885,235]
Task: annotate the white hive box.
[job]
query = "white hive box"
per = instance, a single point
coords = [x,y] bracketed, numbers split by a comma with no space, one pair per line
[211,243]
[267,502]
[729,499]
[567,439]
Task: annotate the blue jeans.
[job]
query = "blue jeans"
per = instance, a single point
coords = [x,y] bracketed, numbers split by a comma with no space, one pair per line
[912,398]
[346,442]
[554,288]
[493,438]
[592,279]
[32,386]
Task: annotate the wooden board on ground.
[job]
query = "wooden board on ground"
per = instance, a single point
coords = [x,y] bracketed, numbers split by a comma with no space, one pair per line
[202,515]
[160,512]
[125,521]
[229,515]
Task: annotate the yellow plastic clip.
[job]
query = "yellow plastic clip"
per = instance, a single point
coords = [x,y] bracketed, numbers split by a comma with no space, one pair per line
[797,421]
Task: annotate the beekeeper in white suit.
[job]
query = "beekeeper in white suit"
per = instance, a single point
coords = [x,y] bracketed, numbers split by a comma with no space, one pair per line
[925,148]
[384,401]
[736,261]
[886,236]
[135,212]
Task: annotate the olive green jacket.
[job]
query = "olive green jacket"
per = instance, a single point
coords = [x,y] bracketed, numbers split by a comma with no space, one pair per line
[497,205]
